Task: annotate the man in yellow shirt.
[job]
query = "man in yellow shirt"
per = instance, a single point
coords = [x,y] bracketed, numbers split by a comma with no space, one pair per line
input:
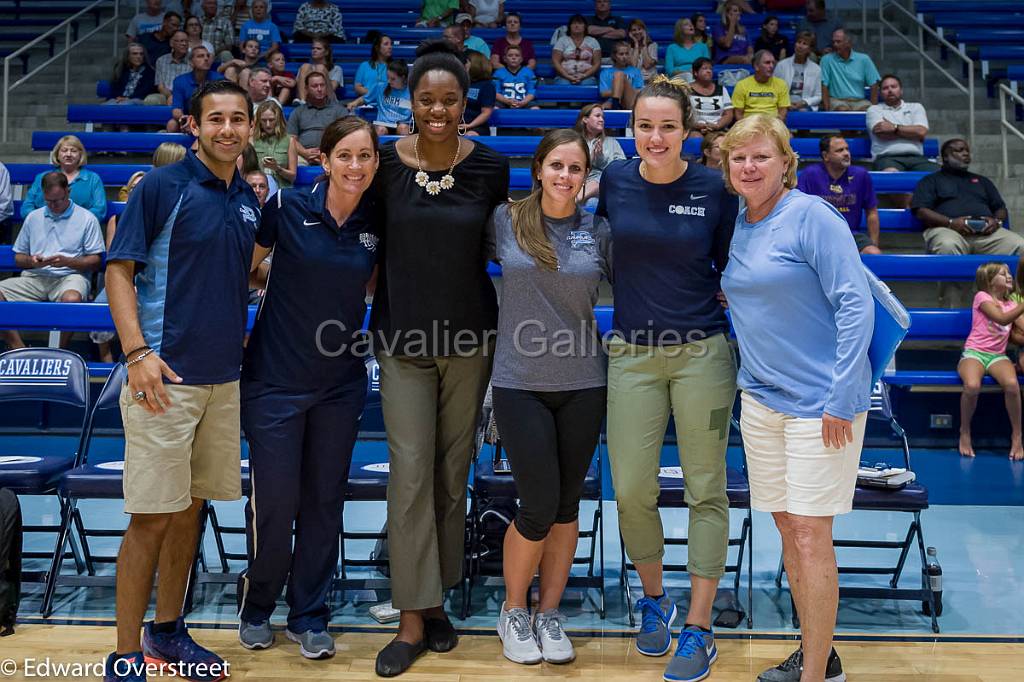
[761,93]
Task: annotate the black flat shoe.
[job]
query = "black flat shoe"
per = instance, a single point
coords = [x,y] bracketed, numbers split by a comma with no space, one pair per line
[396,657]
[439,634]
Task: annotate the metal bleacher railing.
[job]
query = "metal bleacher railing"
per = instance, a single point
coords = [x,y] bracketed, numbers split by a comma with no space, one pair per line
[67,27]
[1008,124]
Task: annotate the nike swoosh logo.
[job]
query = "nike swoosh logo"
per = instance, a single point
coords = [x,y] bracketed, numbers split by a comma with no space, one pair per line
[307,223]
[694,197]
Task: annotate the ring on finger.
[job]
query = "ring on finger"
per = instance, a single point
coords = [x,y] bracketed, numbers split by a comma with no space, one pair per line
[140,395]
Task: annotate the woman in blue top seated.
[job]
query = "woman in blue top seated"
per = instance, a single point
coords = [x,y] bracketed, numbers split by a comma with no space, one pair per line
[374,70]
[803,315]
[304,385]
[86,187]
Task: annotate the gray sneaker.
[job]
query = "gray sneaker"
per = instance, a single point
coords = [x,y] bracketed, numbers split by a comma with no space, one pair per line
[554,643]
[518,643]
[790,669]
[313,643]
[255,635]
[695,653]
[655,637]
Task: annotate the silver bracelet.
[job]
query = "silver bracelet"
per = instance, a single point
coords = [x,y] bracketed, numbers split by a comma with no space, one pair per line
[139,358]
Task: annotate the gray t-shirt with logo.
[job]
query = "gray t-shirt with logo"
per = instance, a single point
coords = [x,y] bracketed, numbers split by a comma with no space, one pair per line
[547,336]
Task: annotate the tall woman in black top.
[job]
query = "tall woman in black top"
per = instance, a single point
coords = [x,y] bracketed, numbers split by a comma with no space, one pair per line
[433,321]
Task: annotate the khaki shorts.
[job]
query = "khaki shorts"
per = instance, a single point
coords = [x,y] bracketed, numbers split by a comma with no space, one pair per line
[844,104]
[789,466]
[32,287]
[193,450]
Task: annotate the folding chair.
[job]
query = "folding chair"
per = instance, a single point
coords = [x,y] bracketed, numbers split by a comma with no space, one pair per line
[48,376]
[912,499]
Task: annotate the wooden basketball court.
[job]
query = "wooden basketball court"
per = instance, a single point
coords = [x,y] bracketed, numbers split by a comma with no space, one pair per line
[478,658]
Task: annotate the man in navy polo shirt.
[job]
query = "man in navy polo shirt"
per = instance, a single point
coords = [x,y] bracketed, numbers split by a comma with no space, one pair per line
[184,244]
[846,187]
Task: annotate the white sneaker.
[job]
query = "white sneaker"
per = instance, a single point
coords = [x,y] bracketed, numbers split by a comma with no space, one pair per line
[554,643]
[519,644]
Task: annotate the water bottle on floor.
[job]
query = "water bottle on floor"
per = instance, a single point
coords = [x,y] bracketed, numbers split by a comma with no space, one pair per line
[933,580]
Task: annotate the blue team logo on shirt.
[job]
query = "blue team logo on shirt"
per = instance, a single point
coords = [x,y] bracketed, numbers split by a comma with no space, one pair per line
[580,238]
[369,241]
[248,215]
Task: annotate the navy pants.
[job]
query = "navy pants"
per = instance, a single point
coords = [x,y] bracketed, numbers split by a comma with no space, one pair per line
[300,448]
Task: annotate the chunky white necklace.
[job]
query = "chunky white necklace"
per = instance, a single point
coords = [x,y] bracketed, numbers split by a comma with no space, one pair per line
[434,187]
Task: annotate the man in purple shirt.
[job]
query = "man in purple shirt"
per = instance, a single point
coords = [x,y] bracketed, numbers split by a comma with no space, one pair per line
[846,187]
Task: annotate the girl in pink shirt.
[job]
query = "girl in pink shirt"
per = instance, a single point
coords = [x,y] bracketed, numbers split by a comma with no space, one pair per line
[992,317]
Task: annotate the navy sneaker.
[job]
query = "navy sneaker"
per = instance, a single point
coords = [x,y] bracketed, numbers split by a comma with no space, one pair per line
[126,668]
[694,655]
[177,650]
[656,616]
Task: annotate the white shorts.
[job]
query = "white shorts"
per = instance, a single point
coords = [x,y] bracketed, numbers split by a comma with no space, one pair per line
[791,469]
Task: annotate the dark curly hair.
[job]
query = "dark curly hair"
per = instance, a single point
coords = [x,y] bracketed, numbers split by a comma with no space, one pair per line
[438,55]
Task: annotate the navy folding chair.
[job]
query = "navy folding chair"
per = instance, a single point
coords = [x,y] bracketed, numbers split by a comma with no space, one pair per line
[46,376]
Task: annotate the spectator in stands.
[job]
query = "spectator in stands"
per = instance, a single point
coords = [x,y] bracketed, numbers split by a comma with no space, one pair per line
[453,184]
[897,129]
[69,156]
[58,242]
[282,81]
[606,27]
[805,394]
[700,30]
[307,121]
[455,36]
[671,221]
[487,13]
[993,315]
[712,106]
[249,162]
[470,41]
[239,14]
[375,69]
[181,401]
[603,149]
[261,29]
[170,66]
[438,12]
[761,93]
[168,153]
[643,52]
[732,44]
[684,51]
[259,87]
[711,150]
[218,31]
[821,25]
[318,19]
[515,85]
[962,212]
[133,80]
[257,179]
[621,83]
[845,75]
[513,26]
[321,60]
[392,99]
[158,43]
[187,84]
[194,30]
[6,205]
[274,147]
[801,74]
[480,97]
[770,39]
[145,22]
[548,407]
[846,187]
[576,56]
[237,70]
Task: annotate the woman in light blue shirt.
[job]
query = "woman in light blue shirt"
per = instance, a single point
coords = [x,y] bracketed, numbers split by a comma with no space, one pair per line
[684,50]
[69,156]
[375,69]
[803,316]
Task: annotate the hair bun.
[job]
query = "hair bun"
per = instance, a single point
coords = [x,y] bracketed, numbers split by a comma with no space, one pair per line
[436,46]
[676,82]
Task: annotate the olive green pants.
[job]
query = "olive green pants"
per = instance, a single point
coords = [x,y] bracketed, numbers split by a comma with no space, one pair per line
[696,383]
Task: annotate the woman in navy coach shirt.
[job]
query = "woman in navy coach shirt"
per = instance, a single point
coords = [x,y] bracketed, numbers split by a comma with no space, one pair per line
[304,385]
[671,222]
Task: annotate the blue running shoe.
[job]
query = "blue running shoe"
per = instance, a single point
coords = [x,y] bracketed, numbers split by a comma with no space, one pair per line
[694,655]
[178,651]
[655,635]
[126,668]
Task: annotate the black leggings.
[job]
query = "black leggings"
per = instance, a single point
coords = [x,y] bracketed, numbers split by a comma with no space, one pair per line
[549,437]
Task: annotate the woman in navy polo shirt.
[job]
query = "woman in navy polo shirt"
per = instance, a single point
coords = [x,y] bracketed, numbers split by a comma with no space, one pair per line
[671,222]
[304,385]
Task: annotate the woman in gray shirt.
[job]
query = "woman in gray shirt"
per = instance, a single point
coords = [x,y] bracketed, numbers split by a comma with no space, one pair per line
[548,383]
